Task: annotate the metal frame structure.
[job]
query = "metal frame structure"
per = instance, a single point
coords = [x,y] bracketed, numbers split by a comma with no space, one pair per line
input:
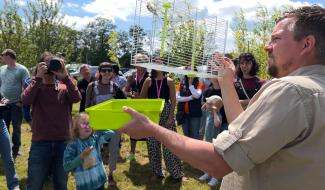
[181,37]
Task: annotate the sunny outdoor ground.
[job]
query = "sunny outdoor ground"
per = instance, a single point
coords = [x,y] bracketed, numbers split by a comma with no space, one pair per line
[131,176]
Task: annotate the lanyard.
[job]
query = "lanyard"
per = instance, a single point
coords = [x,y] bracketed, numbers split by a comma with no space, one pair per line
[159,90]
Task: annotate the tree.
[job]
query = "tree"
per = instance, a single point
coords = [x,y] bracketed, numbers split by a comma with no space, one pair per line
[124,49]
[137,39]
[254,40]
[241,32]
[11,28]
[93,41]
[112,42]
[42,30]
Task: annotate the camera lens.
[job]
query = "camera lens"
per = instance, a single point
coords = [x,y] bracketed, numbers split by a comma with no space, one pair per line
[54,65]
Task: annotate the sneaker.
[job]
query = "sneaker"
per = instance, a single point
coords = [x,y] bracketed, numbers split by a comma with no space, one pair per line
[213,182]
[130,157]
[204,177]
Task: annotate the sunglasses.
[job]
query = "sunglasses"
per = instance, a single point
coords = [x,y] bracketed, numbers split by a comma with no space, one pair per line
[84,125]
[104,70]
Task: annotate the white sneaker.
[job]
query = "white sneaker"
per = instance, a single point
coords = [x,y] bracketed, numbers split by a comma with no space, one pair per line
[204,177]
[213,182]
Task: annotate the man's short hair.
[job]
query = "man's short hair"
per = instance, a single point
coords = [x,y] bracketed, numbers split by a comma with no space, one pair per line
[9,52]
[309,20]
[83,66]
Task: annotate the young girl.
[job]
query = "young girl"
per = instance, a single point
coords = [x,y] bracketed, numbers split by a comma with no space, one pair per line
[212,105]
[82,155]
[97,92]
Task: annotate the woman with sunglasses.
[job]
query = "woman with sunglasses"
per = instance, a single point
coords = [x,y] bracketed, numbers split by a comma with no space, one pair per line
[247,83]
[158,85]
[97,92]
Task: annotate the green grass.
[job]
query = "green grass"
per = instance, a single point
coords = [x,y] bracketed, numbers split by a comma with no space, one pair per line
[128,176]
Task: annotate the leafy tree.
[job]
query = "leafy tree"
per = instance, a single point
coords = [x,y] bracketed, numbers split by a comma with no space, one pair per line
[93,41]
[112,42]
[124,49]
[137,35]
[254,40]
[11,28]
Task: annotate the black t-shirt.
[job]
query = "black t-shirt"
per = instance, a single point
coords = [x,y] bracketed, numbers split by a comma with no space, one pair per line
[82,86]
[162,87]
[210,92]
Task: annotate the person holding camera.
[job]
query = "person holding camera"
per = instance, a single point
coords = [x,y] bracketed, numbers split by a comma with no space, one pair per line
[12,77]
[51,95]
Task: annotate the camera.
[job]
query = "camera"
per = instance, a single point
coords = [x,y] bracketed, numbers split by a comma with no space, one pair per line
[54,65]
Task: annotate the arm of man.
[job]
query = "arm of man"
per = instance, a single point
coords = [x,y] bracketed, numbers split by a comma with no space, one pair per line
[30,93]
[226,73]
[199,154]
[25,75]
[73,92]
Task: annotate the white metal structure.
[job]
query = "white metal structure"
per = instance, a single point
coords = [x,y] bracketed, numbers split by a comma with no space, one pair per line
[179,38]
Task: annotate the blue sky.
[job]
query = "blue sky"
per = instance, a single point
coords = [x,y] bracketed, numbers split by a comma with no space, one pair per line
[80,12]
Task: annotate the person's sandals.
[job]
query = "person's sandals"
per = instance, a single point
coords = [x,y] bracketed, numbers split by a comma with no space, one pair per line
[111,181]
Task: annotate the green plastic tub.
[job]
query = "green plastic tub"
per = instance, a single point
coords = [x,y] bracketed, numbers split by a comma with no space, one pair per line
[110,115]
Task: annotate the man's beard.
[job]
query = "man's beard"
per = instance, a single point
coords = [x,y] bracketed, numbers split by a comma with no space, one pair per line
[272,70]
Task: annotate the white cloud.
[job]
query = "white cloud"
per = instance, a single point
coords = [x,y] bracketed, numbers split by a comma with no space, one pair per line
[227,8]
[111,9]
[72,5]
[77,22]
[124,10]
[21,3]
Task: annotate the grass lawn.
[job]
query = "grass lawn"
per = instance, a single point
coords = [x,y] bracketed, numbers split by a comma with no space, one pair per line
[134,175]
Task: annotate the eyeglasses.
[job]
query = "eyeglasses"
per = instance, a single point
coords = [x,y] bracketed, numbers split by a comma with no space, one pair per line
[84,125]
[104,70]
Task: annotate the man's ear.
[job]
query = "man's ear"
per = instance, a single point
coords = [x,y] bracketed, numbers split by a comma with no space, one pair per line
[309,44]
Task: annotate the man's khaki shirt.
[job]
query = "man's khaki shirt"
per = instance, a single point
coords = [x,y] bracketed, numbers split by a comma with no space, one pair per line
[278,142]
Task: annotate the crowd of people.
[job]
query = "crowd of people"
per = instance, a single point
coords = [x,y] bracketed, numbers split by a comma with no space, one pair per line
[256,134]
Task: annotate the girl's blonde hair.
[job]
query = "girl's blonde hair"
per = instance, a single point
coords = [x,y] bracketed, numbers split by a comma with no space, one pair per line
[83,116]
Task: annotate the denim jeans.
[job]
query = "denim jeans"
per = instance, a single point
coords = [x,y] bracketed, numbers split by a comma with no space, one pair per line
[191,127]
[211,131]
[6,156]
[46,156]
[203,124]
[27,114]
[15,115]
